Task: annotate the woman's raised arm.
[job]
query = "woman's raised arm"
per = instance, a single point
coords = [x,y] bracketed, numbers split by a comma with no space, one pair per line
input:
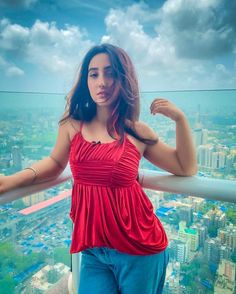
[182,159]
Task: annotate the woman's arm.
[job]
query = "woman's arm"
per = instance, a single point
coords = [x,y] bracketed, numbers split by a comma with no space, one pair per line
[185,149]
[45,169]
[180,160]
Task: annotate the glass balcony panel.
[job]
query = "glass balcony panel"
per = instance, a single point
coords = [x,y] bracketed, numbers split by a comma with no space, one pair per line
[35,235]
[201,232]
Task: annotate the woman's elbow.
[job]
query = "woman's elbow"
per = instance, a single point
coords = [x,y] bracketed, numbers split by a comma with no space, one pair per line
[192,171]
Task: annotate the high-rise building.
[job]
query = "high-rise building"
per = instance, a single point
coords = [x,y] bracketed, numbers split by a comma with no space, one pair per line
[213,157]
[231,240]
[197,136]
[222,236]
[181,250]
[188,235]
[227,236]
[214,160]
[204,136]
[214,219]
[228,269]
[212,250]
[229,161]
[218,160]
[202,233]
[16,157]
[225,252]
[204,155]
[186,214]
[221,160]
[200,136]
[225,282]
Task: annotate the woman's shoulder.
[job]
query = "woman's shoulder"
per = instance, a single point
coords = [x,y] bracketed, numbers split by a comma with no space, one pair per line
[144,130]
[72,126]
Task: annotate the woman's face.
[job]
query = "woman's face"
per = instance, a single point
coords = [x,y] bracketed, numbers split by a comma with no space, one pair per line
[101,82]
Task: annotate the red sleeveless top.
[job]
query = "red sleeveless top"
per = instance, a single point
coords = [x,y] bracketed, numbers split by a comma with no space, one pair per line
[109,207]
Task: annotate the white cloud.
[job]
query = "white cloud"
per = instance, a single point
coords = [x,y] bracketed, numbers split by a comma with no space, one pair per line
[13,37]
[162,61]
[45,45]
[9,69]
[14,71]
[199,29]
[154,57]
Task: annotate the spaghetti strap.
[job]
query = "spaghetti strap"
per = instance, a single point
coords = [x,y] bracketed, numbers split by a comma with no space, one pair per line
[81,126]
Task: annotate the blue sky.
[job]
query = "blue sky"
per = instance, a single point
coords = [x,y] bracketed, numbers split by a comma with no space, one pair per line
[174,44]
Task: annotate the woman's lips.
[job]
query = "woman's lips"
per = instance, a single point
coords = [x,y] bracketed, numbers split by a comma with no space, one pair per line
[102,93]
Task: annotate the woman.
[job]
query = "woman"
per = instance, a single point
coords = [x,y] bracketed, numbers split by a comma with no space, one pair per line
[123,243]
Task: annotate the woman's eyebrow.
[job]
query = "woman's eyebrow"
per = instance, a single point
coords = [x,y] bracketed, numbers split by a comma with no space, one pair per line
[96,68]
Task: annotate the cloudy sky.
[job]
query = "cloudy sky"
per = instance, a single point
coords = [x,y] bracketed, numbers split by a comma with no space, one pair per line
[174,44]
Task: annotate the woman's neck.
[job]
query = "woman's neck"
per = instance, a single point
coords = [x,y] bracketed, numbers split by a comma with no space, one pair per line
[102,115]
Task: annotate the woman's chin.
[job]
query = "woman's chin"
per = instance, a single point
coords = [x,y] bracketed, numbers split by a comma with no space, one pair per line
[104,101]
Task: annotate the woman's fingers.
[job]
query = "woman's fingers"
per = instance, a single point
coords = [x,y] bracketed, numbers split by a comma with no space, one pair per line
[159,109]
[157,105]
[166,108]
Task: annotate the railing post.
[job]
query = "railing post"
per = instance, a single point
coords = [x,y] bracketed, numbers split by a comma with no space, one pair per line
[76,261]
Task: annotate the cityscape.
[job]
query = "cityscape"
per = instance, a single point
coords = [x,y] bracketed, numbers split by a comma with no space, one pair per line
[35,231]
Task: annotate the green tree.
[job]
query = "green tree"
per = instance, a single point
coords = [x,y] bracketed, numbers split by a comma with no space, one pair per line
[7,285]
[233,256]
[11,259]
[62,255]
[231,215]
[196,272]
[19,204]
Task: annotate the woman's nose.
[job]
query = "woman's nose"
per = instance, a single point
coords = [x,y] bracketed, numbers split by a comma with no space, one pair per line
[102,81]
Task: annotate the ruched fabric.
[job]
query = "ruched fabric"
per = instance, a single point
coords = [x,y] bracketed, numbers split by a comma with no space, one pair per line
[109,207]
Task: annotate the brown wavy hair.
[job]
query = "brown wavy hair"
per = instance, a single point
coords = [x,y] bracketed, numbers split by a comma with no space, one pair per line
[80,106]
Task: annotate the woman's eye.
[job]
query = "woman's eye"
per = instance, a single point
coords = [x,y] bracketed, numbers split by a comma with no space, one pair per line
[109,74]
[93,75]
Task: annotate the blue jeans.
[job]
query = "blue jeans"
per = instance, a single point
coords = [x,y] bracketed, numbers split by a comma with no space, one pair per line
[108,271]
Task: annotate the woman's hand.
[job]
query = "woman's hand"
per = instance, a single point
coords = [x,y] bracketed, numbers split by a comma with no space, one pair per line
[166,108]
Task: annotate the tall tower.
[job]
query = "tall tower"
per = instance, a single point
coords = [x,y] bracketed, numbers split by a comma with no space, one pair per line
[197,135]
[200,135]
[198,124]
[16,157]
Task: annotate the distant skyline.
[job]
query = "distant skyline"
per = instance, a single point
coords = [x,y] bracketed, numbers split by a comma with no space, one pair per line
[174,44]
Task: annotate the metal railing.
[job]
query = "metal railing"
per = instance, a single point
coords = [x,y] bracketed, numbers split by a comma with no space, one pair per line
[209,188]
